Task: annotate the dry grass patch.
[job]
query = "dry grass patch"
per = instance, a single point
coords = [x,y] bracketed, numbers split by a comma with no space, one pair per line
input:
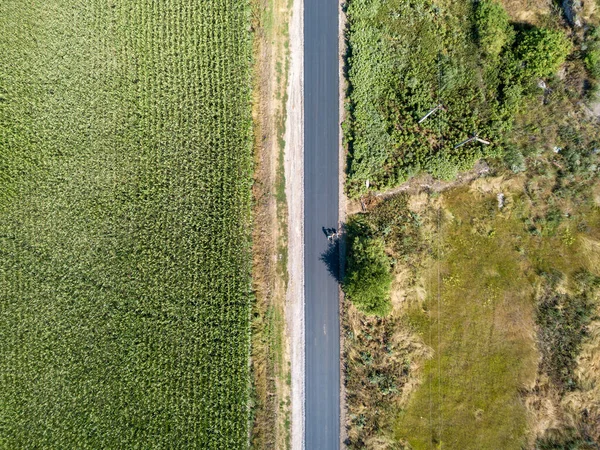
[383,360]
[528,11]
[270,346]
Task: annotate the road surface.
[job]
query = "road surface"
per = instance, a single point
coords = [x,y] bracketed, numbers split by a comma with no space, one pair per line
[321,144]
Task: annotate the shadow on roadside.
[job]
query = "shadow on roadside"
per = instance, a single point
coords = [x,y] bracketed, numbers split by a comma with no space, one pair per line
[331,258]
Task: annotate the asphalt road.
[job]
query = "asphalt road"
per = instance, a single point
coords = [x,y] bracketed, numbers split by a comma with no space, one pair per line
[321,144]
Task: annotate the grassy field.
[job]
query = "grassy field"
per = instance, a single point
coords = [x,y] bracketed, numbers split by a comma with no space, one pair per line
[478,327]
[482,328]
[490,310]
[125,196]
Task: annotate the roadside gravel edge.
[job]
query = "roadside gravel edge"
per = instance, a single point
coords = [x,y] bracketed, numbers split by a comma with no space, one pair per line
[294,186]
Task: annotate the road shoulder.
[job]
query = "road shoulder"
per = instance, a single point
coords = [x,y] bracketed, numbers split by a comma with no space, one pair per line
[294,175]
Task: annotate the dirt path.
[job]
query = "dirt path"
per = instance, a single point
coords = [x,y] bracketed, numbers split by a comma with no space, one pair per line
[420,183]
[294,170]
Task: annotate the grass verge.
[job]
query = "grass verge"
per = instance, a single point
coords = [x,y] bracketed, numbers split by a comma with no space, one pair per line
[270,353]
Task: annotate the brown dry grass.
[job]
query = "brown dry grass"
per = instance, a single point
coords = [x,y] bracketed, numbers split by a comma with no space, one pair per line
[528,11]
[589,12]
[590,250]
[596,195]
[552,413]
[585,402]
[384,359]
[270,347]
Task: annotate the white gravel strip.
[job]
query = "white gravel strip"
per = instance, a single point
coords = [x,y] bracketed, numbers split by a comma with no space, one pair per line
[294,186]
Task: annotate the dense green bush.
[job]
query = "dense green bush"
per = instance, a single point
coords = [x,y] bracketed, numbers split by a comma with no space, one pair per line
[368,279]
[493,28]
[403,62]
[542,51]
[514,159]
[405,58]
[592,53]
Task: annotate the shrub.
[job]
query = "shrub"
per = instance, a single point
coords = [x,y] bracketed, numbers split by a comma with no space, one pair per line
[514,159]
[368,280]
[542,51]
[592,61]
[393,221]
[492,27]
[562,321]
[592,54]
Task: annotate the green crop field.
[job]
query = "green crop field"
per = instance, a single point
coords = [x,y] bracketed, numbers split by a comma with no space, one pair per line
[125,196]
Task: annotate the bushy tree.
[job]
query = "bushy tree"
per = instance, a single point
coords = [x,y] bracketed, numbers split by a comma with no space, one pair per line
[493,27]
[368,279]
[543,51]
[592,54]
[514,159]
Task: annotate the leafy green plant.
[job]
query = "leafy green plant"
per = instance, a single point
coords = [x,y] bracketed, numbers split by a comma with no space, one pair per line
[405,59]
[592,52]
[493,28]
[514,159]
[368,278]
[542,51]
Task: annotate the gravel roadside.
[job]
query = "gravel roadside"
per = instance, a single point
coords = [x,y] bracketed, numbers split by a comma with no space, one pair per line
[294,175]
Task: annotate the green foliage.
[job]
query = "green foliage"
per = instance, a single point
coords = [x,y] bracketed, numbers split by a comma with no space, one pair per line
[368,279]
[126,147]
[592,53]
[514,159]
[493,28]
[407,57]
[579,155]
[542,51]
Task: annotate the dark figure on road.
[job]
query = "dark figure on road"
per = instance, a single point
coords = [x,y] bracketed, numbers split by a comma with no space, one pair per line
[331,234]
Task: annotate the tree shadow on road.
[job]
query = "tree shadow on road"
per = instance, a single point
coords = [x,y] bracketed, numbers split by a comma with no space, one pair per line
[331,258]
